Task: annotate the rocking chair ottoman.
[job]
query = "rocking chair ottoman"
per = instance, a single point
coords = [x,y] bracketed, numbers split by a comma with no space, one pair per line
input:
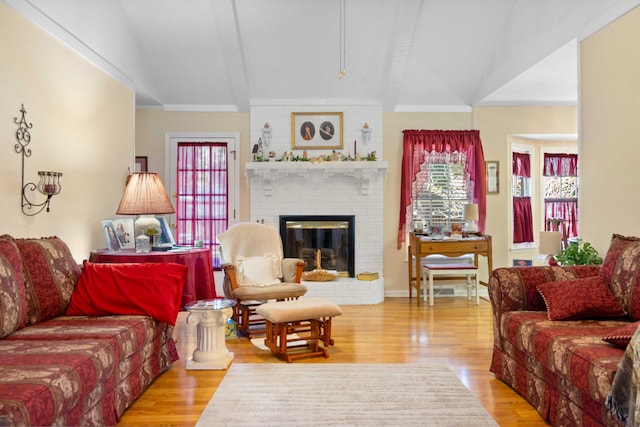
[310,316]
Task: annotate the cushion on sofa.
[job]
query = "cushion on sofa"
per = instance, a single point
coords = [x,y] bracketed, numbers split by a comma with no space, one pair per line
[621,336]
[584,298]
[152,289]
[50,275]
[13,302]
[621,266]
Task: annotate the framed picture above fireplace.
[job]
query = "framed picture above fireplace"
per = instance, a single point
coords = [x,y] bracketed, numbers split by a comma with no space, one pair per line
[316,131]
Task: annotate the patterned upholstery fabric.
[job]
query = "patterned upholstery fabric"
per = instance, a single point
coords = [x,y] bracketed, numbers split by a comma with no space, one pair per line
[50,273]
[620,267]
[13,303]
[80,370]
[62,370]
[563,368]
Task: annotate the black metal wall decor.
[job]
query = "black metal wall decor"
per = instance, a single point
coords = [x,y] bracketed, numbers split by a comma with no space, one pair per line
[50,182]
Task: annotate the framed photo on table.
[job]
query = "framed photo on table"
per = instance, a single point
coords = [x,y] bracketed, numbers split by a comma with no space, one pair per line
[316,131]
[125,232]
[113,244]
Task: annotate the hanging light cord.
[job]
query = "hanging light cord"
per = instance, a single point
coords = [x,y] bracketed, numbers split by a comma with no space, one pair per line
[342,49]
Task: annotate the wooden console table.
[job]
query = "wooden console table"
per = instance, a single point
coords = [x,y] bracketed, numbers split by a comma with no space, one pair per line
[421,246]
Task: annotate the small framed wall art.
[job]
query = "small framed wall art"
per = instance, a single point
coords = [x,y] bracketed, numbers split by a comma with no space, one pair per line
[316,131]
[493,177]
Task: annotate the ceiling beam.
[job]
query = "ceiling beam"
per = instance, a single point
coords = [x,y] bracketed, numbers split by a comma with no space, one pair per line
[226,21]
[405,26]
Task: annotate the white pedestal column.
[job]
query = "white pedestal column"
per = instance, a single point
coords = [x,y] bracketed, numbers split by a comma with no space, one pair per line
[211,350]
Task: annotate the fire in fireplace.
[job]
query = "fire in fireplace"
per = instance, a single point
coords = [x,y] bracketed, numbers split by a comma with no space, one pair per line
[333,235]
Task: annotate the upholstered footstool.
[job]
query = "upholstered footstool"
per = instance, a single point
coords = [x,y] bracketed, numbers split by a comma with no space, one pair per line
[308,318]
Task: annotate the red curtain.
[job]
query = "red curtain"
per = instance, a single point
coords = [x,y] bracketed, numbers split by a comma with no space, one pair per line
[417,142]
[521,165]
[522,212]
[559,164]
[522,220]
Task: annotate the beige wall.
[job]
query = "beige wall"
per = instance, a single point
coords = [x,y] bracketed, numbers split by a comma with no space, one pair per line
[610,130]
[496,124]
[83,126]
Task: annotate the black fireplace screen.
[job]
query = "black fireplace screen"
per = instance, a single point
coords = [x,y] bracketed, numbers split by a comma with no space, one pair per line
[334,235]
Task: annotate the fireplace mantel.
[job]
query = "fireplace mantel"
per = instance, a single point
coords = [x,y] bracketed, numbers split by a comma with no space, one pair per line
[268,172]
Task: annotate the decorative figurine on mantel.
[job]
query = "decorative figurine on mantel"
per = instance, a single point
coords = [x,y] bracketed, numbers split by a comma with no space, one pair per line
[318,274]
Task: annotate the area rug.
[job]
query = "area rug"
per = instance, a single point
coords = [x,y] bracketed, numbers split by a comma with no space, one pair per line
[321,394]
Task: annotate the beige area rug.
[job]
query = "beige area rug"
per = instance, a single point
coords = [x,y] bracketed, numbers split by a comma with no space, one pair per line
[321,394]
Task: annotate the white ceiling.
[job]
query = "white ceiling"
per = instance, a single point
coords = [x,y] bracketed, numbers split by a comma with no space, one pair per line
[408,55]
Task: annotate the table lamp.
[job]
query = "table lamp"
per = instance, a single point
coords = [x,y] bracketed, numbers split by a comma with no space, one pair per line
[146,196]
[471,216]
[550,245]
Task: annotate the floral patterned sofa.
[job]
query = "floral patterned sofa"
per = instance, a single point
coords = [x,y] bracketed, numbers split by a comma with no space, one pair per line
[77,347]
[560,333]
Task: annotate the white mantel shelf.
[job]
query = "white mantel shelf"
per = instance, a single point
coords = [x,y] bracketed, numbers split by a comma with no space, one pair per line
[268,172]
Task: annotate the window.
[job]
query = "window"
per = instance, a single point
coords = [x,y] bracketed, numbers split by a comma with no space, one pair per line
[561,189]
[442,189]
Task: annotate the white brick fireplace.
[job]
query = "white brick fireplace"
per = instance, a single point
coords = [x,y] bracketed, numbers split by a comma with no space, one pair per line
[328,188]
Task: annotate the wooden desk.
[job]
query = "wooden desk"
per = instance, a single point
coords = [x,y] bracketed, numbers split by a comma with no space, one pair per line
[421,246]
[199,284]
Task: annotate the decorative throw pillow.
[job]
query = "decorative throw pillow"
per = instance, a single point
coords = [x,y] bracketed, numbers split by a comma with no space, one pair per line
[13,303]
[150,289]
[621,336]
[621,267]
[618,244]
[584,298]
[50,275]
[257,270]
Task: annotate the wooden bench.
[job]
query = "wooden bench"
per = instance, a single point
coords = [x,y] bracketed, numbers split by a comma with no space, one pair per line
[308,318]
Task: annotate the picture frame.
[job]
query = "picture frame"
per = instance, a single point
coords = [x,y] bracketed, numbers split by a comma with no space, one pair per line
[113,244]
[457,229]
[317,131]
[141,164]
[167,236]
[125,232]
[493,176]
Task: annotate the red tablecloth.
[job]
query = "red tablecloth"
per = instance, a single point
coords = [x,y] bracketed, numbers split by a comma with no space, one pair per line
[200,283]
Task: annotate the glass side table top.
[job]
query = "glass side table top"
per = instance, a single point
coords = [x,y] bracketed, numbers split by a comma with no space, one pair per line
[211,304]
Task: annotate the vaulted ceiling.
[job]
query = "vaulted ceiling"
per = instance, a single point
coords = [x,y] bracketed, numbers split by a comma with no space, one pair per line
[408,55]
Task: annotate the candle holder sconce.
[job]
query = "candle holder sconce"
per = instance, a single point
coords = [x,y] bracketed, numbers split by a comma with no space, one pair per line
[49,183]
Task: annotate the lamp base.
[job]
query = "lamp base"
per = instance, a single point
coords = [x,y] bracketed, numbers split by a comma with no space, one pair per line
[146,222]
[471,227]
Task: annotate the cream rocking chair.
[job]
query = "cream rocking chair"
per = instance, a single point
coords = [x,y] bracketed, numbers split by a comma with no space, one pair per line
[255,271]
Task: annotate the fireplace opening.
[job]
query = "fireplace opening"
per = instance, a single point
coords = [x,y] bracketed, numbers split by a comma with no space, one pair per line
[334,235]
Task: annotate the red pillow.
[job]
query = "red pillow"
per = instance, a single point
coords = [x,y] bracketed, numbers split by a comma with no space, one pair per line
[152,289]
[621,336]
[585,298]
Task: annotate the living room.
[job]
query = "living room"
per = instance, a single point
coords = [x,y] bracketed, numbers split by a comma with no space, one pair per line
[86,125]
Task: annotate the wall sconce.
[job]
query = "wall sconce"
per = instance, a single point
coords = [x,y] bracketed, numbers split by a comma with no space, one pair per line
[366,133]
[49,183]
[266,134]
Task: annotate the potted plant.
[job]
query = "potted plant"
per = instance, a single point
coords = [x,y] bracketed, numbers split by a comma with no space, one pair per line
[577,253]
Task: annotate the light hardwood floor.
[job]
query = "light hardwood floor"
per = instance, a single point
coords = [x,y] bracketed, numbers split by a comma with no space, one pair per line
[454,333]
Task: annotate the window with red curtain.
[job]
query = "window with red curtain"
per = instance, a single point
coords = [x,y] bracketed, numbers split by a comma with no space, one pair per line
[202,194]
[416,145]
[522,212]
[560,173]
